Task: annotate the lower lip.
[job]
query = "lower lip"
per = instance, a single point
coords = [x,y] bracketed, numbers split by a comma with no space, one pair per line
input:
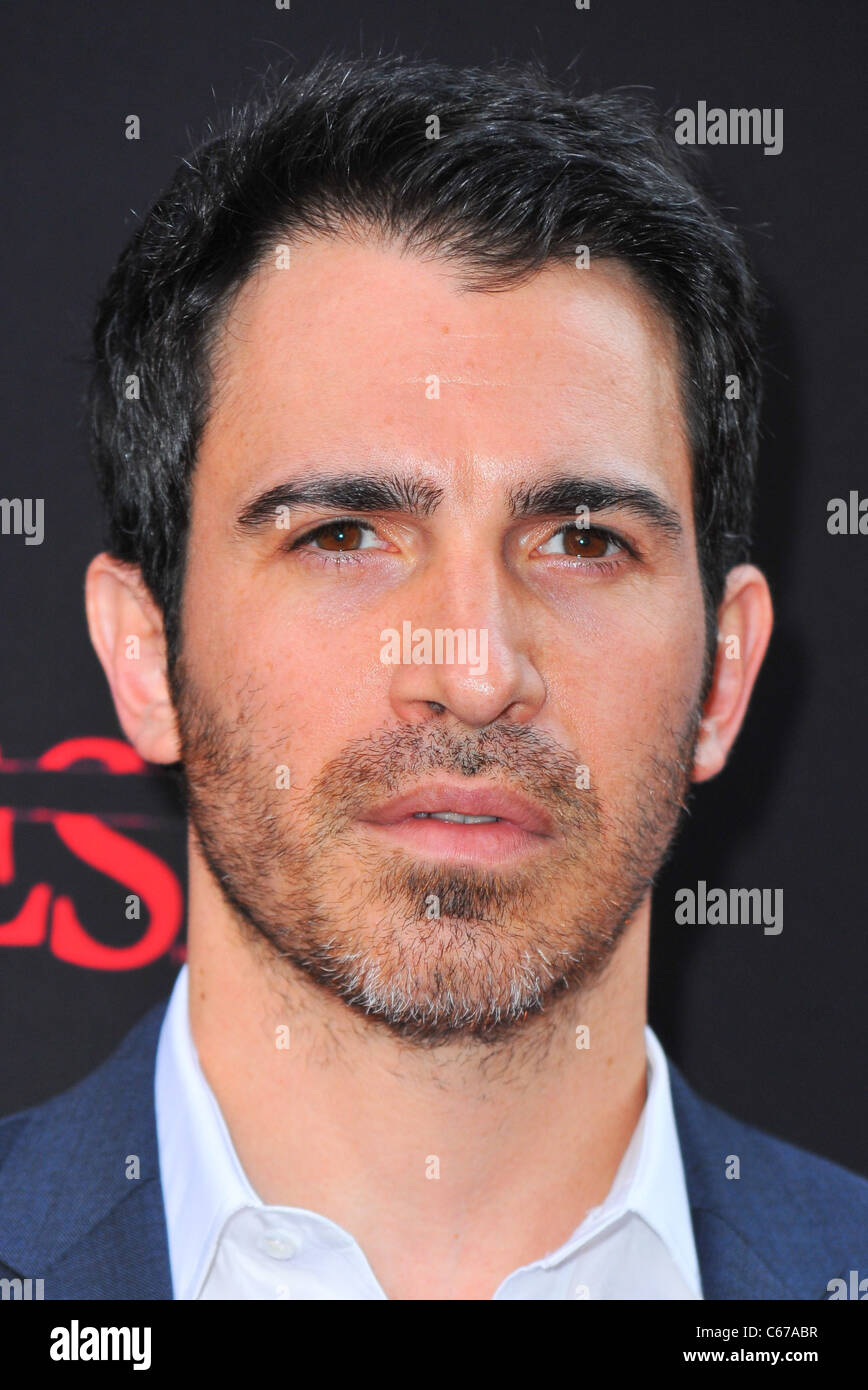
[490,842]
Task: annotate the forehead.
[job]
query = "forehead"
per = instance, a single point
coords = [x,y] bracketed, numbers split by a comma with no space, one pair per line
[360,351]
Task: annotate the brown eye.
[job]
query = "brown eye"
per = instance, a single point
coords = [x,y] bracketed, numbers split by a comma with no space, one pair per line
[590,544]
[345,534]
[584,543]
[336,542]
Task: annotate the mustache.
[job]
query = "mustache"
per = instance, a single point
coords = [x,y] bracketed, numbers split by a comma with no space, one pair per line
[391,761]
[394,761]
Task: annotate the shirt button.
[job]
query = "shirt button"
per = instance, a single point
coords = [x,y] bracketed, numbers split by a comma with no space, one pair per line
[281,1247]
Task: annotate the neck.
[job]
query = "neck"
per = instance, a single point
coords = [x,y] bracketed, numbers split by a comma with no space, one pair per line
[450,1166]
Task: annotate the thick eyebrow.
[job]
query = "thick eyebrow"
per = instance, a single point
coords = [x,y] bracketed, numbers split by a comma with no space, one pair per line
[342,491]
[569,491]
[413,496]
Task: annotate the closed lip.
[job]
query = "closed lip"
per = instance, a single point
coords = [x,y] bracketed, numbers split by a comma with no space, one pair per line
[466,801]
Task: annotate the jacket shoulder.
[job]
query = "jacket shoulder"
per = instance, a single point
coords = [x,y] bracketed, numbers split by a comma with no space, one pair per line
[65,1163]
[130,1062]
[804,1215]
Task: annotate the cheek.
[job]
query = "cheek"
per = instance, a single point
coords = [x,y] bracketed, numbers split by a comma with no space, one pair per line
[249,628]
[288,678]
[623,675]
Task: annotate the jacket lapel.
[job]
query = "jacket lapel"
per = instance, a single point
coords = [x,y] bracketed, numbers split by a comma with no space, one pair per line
[747,1241]
[80,1202]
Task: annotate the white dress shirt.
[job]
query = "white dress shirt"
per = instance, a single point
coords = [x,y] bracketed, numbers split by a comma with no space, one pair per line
[225,1243]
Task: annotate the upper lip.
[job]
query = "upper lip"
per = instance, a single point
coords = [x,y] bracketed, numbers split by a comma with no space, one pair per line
[467,801]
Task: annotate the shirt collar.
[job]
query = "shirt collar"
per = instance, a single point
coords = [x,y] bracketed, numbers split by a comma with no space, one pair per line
[650,1180]
[204,1184]
[659,1189]
[202,1178]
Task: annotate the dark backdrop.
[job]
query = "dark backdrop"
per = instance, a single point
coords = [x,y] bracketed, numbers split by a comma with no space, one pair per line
[772,1027]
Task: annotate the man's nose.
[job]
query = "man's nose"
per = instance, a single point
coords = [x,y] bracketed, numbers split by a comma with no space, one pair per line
[464,645]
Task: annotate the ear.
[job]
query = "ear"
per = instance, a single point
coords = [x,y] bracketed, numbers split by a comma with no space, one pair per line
[126,629]
[744,620]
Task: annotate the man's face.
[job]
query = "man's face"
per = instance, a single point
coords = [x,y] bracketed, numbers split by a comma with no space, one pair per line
[299,718]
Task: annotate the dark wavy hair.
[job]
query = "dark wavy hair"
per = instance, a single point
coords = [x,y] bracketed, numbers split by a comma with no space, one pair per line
[523,173]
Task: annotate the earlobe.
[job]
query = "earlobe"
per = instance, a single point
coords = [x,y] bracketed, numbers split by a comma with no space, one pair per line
[745,619]
[126,630]
[707,759]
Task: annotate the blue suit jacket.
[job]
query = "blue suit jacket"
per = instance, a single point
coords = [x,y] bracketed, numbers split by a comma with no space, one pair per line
[70,1216]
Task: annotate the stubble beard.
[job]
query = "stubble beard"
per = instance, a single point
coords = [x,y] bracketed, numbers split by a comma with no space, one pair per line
[432,952]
